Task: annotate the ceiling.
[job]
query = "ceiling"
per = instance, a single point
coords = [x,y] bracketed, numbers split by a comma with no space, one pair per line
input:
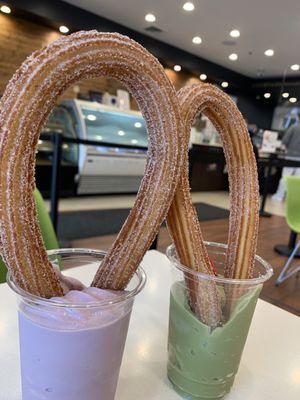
[263,24]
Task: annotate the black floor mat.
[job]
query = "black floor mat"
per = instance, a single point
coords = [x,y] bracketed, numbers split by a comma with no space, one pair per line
[84,224]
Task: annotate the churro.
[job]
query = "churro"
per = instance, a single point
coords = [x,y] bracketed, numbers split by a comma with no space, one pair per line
[182,218]
[27,102]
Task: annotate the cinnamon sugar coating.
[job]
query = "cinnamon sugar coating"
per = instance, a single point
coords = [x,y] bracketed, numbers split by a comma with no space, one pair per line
[182,218]
[27,102]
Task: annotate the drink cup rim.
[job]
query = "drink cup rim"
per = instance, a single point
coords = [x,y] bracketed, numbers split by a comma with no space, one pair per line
[221,247]
[40,301]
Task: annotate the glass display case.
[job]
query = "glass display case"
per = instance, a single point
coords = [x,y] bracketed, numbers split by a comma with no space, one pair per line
[114,126]
[59,121]
[109,168]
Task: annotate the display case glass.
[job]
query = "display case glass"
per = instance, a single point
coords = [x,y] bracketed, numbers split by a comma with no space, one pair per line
[115,127]
[60,121]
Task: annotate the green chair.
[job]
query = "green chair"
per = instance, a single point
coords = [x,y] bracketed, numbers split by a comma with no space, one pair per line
[292,210]
[46,227]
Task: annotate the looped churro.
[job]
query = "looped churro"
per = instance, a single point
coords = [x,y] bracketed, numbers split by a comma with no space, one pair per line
[244,197]
[29,98]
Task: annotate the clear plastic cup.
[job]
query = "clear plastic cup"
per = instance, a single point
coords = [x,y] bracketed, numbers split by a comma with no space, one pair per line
[73,351]
[203,361]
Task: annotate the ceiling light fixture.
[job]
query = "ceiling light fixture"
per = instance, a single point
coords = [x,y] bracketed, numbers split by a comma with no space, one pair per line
[267,95]
[235,33]
[203,77]
[269,53]
[197,40]
[63,29]
[295,67]
[138,124]
[293,99]
[134,141]
[5,9]
[224,84]
[188,6]
[285,95]
[233,57]
[177,68]
[150,17]
[121,133]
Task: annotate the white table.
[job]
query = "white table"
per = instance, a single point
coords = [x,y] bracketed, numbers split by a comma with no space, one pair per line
[269,370]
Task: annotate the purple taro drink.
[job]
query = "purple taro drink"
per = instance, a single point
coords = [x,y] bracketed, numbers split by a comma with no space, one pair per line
[71,347]
[71,354]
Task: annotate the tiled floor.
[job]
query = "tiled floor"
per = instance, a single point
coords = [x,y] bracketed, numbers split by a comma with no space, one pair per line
[219,199]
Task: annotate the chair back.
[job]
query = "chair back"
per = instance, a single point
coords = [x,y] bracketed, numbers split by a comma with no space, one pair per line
[292,205]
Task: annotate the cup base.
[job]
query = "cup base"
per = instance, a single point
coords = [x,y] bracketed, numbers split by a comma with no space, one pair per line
[189,396]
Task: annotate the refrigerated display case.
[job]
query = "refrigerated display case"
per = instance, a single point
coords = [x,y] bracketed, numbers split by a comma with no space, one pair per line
[109,169]
[60,121]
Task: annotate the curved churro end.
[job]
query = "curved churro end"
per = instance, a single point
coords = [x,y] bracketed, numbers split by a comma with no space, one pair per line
[182,219]
[27,102]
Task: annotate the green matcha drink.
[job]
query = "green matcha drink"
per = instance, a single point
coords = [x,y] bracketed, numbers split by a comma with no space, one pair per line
[203,361]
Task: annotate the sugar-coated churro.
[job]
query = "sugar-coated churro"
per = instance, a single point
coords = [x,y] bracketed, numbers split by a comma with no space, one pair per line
[244,198]
[27,102]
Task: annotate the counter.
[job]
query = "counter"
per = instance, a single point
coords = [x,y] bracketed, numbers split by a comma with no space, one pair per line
[207,164]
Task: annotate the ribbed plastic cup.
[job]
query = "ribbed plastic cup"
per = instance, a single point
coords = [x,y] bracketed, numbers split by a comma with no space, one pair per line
[203,361]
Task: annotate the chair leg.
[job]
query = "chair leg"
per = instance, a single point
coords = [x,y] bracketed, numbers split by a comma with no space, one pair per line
[283,276]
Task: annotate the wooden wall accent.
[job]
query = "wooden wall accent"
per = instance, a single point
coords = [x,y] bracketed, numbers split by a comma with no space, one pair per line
[19,38]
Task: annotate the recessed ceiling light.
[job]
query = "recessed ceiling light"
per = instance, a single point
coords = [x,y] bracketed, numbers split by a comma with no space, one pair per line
[235,33]
[295,67]
[177,68]
[121,133]
[63,29]
[233,57]
[224,84]
[285,95]
[203,77]
[137,124]
[188,6]
[293,99]
[267,95]
[91,117]
[197,40]
[99,137]
[269,53]
[134,141]
[150,17]
[5,9]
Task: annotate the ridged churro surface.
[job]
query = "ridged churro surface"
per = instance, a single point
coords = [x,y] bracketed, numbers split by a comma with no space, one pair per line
[27,102]
[182,218]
